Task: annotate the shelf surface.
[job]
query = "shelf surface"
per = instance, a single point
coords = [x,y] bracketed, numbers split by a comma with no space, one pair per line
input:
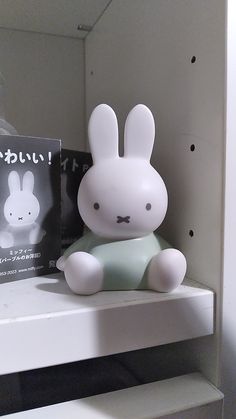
[42,323]
[190,394]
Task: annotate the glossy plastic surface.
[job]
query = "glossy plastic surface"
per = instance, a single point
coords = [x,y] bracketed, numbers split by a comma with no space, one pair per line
[122,200]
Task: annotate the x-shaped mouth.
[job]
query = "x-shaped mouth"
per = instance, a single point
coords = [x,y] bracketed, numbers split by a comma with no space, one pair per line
[123,219]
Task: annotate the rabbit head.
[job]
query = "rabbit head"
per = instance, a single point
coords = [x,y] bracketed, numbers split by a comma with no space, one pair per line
[21,207]
[122,197]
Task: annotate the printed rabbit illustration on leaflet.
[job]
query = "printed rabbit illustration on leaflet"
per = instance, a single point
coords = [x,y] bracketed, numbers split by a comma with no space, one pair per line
[122,200]
[21,210]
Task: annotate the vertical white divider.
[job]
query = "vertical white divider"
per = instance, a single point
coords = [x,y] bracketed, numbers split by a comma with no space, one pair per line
[228,354]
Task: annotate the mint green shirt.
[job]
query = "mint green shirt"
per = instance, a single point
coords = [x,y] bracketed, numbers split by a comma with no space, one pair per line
[125,261]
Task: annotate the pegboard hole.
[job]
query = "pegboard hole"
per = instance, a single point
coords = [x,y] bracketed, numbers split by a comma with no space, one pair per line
[193,59]
[91,73]
[192,147]
[191,233]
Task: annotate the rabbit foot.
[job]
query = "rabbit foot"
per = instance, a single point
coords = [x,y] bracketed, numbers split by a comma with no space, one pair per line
[6,240]
[166,270]
[36,235]
[83,273]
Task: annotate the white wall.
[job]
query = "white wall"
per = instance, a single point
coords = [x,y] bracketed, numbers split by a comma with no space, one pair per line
[45,85]
[141,52]
[228,355]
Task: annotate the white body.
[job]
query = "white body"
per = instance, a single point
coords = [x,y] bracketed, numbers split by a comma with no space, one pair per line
[21,210]
[122,198]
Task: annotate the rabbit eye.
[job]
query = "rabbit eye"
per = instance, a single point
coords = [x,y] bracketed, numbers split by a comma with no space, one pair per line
[148,206]
[29,213]
[96,206]
[10,213]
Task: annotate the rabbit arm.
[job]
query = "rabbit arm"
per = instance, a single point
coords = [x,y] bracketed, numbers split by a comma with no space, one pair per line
[90,240]
[85,244]
[163,243]
[81,245]
[36,233]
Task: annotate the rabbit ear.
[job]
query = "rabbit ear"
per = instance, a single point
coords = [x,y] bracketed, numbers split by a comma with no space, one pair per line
[28,181]
[103,133]
[139,133]
[13,182]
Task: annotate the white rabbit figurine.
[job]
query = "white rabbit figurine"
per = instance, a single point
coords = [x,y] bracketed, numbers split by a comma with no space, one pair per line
[122,200]
[21,209]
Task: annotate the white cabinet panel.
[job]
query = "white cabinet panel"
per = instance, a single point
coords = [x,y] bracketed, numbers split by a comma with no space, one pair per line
[42,323]
[57,17]
[44,85]
[186,397]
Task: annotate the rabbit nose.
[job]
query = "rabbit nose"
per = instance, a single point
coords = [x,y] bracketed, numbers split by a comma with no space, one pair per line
[123,219]
[20,218]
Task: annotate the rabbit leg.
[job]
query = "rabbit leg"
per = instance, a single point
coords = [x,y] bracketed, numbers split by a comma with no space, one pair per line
[6,240]
[166,270]
[36,235]
[83,273]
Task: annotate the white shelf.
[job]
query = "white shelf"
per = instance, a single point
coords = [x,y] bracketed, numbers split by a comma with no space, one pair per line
[190,394]
[42,323]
